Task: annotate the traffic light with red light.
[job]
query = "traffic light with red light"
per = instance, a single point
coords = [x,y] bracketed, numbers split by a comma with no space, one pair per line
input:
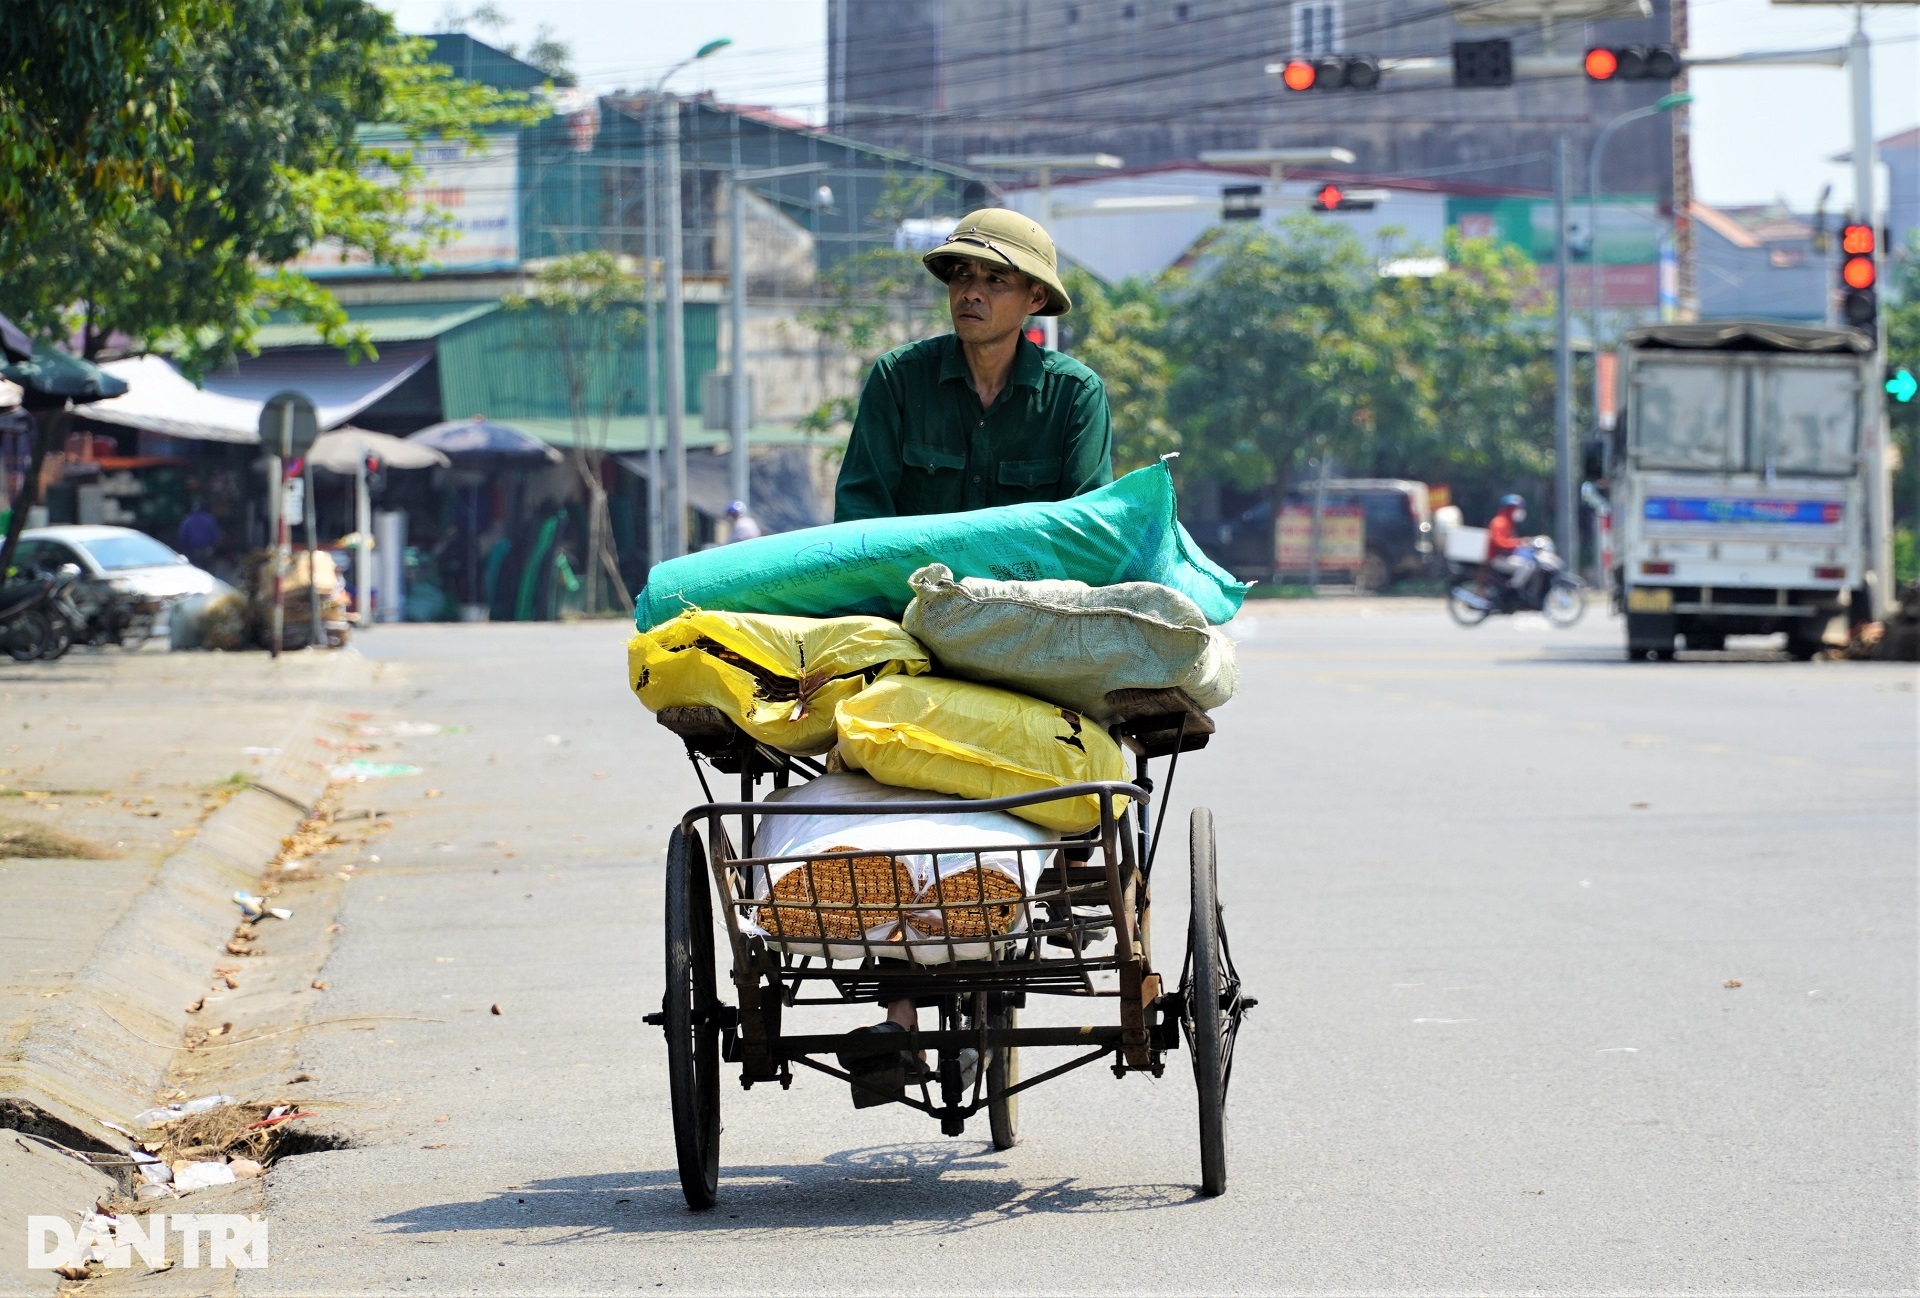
[1331,198]
[1331,72]
[1631,63]
[1859,303]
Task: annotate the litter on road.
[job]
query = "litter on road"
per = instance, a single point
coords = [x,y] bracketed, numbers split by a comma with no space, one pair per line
[160,1117]
[256,908]
[201,1176]
[358,771]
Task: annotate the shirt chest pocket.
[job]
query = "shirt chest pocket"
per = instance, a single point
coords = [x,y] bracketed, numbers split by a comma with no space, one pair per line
[1028,474]
[929,459]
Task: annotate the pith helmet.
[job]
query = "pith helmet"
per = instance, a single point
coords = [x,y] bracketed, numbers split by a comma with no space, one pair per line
[1001,237]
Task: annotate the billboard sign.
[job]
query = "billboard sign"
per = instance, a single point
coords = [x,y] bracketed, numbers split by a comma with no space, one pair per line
[1620,245]
[476,189]
[1343,538]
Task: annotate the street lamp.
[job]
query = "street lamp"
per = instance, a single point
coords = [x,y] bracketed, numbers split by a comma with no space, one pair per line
[737,396]
[674,535]
[1043,165]
[1664,104]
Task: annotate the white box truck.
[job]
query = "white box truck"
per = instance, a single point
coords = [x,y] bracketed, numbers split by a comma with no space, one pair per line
[1747,485]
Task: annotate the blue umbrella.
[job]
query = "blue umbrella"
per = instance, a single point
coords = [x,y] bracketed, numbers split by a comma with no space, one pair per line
[478,438]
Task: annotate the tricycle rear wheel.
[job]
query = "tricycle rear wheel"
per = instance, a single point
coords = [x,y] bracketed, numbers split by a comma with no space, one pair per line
[1211,1002]
[1003,1071]
[692,1021]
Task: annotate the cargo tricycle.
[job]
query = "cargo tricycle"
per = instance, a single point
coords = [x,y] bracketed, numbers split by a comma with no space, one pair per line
[1072,921]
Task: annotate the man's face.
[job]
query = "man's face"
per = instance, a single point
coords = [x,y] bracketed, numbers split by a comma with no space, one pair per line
[989,302]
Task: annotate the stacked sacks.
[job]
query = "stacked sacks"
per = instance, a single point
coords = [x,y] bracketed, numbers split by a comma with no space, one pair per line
[1071,643]
[1126,531]
[979,741]
[1017,707]
[777,678]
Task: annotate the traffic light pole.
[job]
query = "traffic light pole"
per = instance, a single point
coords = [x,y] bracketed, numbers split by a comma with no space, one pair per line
[1873,422]
[1566,505]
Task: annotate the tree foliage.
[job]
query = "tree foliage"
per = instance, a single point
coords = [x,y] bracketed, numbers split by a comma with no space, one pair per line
[1285,340]
[1900,316]
[274,101]
[586,304]
[1117,333]
[91,114]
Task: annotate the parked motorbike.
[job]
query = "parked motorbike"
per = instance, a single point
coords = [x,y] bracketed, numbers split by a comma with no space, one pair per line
[26,618]
[68,623]
[1549,589]
[110,616]
[38,616]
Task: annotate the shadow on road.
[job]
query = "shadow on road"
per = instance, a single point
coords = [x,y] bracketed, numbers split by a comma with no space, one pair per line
[894,1190]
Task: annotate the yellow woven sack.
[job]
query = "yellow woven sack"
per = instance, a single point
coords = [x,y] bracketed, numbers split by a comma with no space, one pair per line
[978,741]
[778,678]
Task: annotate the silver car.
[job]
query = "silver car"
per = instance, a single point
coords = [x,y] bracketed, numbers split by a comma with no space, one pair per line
[128,580]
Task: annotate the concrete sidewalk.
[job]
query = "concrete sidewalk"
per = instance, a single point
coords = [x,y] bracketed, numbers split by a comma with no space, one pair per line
[180,773]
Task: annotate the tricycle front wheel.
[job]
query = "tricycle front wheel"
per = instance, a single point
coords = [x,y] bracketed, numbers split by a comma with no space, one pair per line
[691,1017]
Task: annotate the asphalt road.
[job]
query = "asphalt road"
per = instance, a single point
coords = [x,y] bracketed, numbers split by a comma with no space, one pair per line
[1493,889]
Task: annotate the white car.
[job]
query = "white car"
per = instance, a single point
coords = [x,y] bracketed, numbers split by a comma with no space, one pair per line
[127,582]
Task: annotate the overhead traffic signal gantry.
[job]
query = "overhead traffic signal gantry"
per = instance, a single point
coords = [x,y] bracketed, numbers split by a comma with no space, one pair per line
[1631,63]
[1859,302]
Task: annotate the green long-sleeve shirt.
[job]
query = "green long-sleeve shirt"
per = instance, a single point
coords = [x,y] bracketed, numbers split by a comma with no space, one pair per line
[921,444]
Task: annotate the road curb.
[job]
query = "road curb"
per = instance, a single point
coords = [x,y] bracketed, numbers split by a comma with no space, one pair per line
[101,1049]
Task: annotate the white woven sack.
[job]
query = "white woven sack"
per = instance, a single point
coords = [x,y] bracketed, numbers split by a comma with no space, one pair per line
[1070,643]
[802,835]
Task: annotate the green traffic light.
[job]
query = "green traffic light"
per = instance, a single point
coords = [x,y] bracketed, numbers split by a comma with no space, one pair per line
[1902,386]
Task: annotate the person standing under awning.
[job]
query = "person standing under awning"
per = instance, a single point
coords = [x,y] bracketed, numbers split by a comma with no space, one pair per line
[981,416]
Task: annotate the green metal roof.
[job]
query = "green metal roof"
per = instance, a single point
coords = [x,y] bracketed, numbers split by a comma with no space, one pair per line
[628,433]
[393,323]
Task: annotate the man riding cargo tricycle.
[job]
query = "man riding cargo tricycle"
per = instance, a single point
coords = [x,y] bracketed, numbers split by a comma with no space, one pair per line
[937,843]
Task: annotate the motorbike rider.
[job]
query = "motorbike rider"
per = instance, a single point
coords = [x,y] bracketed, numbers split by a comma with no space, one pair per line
[1508,554]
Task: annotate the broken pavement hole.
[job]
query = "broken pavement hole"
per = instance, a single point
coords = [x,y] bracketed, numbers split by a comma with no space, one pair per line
[295,1143]
[30,1120]
[233,1131]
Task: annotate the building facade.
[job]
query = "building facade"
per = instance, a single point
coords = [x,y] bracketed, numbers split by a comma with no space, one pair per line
[1158,81]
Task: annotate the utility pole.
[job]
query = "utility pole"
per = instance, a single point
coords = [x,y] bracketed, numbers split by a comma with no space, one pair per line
[676,503]
[737,341]
[738,390]
[674,534]
[1595,159]
[1566,513]
[656,520]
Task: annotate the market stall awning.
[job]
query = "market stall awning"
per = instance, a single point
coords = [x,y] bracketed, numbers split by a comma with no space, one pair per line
[343,448]
[160,399]
[485,439]
[339,390]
